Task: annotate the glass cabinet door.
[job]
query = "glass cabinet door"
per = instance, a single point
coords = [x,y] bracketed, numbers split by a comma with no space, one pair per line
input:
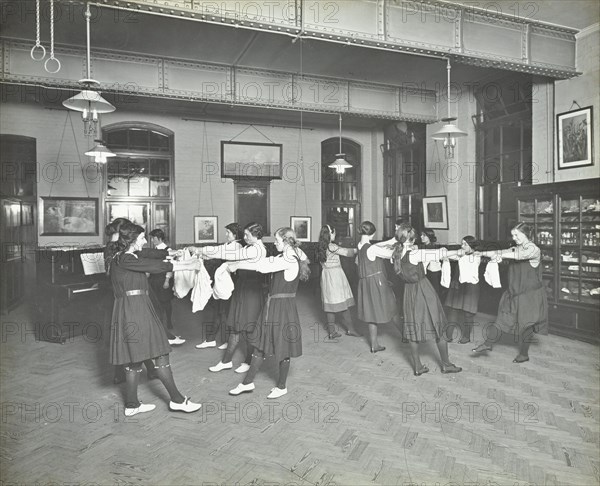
[539,213]
[579,232]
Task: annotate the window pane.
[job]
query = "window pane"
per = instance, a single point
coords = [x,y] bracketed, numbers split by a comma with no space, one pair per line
[160,186]
[159,167]
[117,139]
[117,186]
[511,166]
[162,217]
[252,203]
[138,139]
[491,170]
[159,142]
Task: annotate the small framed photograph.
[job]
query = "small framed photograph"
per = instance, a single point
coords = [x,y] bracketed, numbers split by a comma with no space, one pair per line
[301,226]
[435,212]
[574,131]
[66,216]
[205,229]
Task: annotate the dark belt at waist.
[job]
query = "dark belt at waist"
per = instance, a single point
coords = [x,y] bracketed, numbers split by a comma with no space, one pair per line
[372,274]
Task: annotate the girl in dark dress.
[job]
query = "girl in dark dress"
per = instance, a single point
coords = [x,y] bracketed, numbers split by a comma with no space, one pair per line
[112,233]
[234,236]
[137,333]
[463,295]
[247,299]
[523,308]
[376,301]
[280,334]
[424,317]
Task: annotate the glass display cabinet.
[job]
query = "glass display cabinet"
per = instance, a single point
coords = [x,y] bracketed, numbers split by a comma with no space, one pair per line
[566,221]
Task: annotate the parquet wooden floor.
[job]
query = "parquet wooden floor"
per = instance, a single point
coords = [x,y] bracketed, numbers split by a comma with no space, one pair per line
[350,418]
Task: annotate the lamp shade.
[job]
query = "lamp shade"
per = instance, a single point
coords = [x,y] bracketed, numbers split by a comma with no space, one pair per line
[449,131]
[88,100]
[340,164]
[100,152]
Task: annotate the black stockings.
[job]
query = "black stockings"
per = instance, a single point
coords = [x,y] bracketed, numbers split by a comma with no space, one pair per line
[257,361]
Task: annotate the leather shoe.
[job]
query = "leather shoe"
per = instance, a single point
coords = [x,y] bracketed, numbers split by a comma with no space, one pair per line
[176,341]
[187,406]
[481,348]
[334,335]
[451,368]
[144,407]
[353,334]
[242,368]
[241,388]
[223,346]
[277,392]
[521,359]
[206,344]
[422,370]
[221,366]
[377,349]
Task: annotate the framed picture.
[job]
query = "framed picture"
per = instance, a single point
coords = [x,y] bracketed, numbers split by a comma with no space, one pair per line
[435,212]
[301,226]
[240,160]
[574,131]
[62,216]
[205,229]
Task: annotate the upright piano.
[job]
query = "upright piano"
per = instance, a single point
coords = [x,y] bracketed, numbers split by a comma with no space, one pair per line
[74,295]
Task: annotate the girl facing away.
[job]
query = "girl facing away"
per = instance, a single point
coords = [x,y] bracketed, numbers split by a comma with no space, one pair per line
[336,294]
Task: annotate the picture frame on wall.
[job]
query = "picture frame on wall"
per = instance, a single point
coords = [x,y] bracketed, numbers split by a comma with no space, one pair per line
[574,130]
[301,226]
[435,212]
[68,216]
[205,229]
[249,160]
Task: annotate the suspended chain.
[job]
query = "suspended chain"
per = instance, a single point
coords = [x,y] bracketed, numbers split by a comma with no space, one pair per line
[52,58]
[38,44]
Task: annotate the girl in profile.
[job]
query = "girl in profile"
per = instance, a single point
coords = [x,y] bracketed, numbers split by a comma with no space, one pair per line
[137,333]
[424,317]
[279,331]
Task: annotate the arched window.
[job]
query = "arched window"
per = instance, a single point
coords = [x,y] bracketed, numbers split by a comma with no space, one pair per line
[340,194]
[139,182]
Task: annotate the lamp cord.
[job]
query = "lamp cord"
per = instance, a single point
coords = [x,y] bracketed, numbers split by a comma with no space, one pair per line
[78,154]
[62,137]
[251,126]
[202,162]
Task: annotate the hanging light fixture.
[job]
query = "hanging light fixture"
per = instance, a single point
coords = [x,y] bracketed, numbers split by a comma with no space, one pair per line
[449,132]
[89,102]
[340,164]
[100,152]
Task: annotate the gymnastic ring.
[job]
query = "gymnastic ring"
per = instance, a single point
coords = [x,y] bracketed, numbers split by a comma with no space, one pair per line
[46,65]
[33,49]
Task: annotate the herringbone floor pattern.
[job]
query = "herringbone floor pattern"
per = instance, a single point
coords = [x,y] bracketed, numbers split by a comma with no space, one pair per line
[350,418]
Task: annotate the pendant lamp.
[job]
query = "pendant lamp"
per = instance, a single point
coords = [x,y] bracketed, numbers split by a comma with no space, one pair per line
[340,164]
[449,132]
[100,153]
[89,102]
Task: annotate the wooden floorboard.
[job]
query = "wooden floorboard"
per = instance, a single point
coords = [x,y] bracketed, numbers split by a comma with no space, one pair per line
[350,418]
